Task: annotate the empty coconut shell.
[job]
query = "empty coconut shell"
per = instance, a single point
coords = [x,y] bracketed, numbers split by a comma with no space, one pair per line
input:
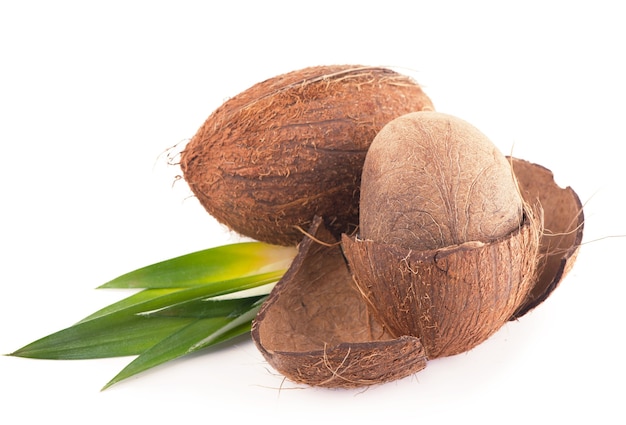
[316,329]
[563,222]
[453,298]
[292,147]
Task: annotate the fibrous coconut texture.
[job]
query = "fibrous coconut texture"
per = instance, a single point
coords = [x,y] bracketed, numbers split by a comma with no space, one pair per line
[394,304]
[291,147]
[432,180]
[444,235]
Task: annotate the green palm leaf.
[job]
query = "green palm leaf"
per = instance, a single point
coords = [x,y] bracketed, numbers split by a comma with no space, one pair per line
[96,337]
[188,303]
[210,265]
[199,334]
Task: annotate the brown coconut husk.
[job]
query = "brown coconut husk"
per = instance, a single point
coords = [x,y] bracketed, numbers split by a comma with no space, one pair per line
[291,147]
[316,329]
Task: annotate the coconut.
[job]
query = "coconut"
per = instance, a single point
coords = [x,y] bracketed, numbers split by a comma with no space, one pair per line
[432,180]
[446,237]
[289,148]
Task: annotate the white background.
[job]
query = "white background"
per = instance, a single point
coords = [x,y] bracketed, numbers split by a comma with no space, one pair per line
[91,96]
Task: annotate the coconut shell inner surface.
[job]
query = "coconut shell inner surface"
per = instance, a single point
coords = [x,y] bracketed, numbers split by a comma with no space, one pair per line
[563,222]
[316,329]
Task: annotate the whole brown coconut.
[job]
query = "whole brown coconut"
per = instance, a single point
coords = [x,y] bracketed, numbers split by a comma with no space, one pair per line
[446,238]
[289,148]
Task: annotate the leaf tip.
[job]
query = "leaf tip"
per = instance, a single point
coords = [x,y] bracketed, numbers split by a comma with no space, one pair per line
[108,385]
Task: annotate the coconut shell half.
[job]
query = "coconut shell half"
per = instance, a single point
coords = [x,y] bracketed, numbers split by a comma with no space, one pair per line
[452,298]
[563,222]
[316,329]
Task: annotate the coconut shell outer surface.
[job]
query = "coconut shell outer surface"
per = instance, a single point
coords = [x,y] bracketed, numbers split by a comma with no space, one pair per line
[432,180]
[289,148]
[452,298]
[315,329]
[563,224]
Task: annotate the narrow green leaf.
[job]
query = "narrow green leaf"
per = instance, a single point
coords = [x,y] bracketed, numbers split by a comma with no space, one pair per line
[210,265]
[143,301]
[197,335]
[208,308]
[92,338]
[233,328]
[120,336]
[133,300]
[176,345]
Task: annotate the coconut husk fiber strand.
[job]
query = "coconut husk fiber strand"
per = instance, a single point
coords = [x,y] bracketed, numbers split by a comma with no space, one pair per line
[316,329]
